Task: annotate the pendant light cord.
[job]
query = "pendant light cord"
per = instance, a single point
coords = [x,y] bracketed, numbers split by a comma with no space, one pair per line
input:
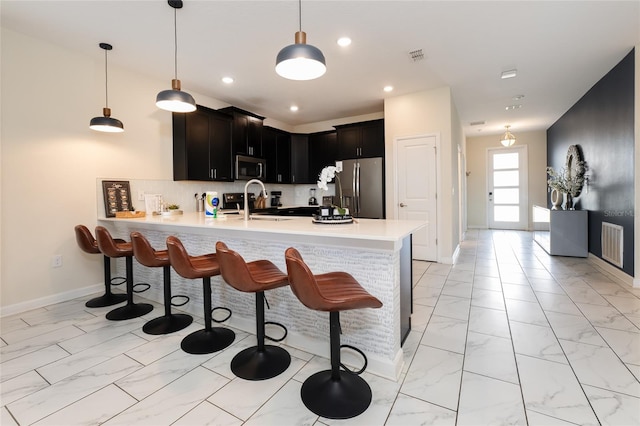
[106,81]
[300,15]
[175,43]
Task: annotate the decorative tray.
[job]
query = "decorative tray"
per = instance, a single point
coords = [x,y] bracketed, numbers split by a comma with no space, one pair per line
[168,213]
[130,215]
[334,219]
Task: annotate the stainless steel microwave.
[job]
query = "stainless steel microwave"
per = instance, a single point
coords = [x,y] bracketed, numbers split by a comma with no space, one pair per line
[250,168]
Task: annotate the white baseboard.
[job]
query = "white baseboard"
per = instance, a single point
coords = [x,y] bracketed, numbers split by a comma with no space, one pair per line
[50,300]
[615,272]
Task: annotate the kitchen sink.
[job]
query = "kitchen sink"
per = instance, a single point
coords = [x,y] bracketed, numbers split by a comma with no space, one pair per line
[266,217]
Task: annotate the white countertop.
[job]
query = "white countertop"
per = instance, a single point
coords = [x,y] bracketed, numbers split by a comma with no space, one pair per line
[362,230]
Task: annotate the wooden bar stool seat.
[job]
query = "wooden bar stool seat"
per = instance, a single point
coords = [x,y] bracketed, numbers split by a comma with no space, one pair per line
[210,339]
[262,361]
[88,244]
[114,249]
[151,258]
[335,393]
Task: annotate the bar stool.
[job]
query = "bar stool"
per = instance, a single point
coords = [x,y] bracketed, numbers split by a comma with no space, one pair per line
[148,256]
[112,248]
[334,394]
[210,339]
[88,244]
[262,361]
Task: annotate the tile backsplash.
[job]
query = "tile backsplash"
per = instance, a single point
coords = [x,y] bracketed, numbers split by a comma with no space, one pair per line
[183,192]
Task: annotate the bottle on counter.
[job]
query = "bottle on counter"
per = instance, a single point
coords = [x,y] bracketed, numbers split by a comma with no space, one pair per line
[211,204]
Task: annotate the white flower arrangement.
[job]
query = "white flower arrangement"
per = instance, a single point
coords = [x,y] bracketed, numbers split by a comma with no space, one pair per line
[327,175]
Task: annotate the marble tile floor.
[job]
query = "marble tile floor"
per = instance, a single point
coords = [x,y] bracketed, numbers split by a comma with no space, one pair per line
[507,335]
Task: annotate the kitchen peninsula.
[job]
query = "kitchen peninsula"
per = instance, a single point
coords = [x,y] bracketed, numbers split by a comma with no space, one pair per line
[376,252]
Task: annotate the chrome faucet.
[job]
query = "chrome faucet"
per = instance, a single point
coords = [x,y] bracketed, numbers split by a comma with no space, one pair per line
[246,197]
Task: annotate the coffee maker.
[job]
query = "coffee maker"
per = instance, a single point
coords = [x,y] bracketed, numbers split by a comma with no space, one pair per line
[275,198]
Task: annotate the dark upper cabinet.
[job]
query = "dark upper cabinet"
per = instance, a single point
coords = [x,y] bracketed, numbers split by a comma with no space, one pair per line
[361,140]
[276,149]
[300,159]
[202,145]
[323,151]
[247,132]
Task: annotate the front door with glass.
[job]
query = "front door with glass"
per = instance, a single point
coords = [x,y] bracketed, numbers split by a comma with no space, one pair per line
[507,188]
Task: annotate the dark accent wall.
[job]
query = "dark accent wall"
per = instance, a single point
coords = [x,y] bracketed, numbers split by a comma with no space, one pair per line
[602,123]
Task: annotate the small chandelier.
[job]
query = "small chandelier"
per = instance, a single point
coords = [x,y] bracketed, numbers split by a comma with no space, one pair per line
[106,123]
[300,61]
[175,100]
[507,139]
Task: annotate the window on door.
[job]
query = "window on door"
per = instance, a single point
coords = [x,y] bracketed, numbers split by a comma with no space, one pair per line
[508,188]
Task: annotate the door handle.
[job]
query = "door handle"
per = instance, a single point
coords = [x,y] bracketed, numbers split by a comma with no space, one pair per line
[403,205]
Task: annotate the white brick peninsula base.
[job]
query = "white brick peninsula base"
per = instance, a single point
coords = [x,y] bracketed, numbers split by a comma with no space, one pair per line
[376,252]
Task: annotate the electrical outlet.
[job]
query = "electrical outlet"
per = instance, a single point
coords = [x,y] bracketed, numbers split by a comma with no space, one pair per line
[56,261]
[338,166]
[141,195]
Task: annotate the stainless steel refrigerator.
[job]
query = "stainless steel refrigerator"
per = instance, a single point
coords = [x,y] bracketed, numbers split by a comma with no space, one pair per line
[362,182]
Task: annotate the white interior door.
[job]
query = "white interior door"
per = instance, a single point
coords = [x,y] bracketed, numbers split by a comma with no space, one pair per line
[508,188]
[416,170]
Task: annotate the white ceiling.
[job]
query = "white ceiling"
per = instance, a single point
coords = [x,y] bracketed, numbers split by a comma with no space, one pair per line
[560,49]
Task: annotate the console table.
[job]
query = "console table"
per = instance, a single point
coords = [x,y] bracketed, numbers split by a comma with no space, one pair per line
[562,232]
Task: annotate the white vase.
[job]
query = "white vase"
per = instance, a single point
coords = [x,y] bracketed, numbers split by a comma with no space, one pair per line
[556,199]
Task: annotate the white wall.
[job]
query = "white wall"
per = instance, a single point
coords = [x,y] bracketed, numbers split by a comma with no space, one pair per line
[422,113]
[477,167]
[51,159]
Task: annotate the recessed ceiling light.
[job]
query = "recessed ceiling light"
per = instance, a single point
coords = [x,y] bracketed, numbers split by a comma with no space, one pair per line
[293,108]
[509,74]
[344,41]
[227,80]
[518,97]
[388,88]
[512,107]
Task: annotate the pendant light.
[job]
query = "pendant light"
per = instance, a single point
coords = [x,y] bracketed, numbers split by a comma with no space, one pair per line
[106,123]
[175,100]
[300,61]
[507,139]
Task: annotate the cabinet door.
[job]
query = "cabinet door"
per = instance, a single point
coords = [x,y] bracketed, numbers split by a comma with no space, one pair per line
[300,159]
[270,147]
[372,144]
[284,158]
[323,151]
[220,159]
[349,141]
[254,137]
[197,146]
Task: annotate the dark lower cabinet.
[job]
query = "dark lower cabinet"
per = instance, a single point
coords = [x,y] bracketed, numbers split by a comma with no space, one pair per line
[323,151]
[276,150]
[202,146]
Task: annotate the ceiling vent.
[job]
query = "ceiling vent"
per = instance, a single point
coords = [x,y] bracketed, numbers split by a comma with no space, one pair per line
[477,123]
[416,55]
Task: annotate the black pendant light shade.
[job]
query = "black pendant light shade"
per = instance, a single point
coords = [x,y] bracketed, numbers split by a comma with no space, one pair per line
[175,100]
[106,123]
[300,61]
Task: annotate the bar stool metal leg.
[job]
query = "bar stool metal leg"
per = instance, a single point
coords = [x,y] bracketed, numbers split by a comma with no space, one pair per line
[130,310]
[262,361]
[108,298]
[168,323]
[210,339]
[335,393]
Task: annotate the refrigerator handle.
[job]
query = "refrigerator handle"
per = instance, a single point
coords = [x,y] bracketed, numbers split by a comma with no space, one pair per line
[354,189]
[357,192]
